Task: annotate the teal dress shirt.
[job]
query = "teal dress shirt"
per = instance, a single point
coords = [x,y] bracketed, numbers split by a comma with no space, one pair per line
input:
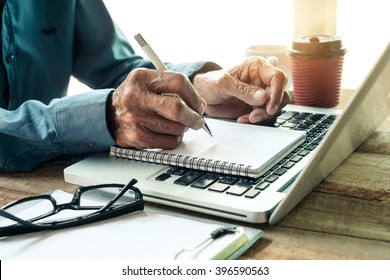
[43,43]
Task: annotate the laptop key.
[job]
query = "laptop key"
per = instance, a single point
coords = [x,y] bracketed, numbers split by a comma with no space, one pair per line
[163,176]
[271,178]
[317,141]
[288,164]
[217,187]
[245,183]
[310,147]
[289,125]
[252,193]
[262,186]
[237,190]
[229,180]
[287,115]
[205,181]
[302,116]
[280,171]
[179,171]
[189,177]
[303,153]
[295,158]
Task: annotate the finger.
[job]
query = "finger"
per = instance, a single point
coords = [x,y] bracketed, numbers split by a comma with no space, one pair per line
[243,119]
[176,110]
[143,138]
[158,124]
[285,99]
[255,116]
[260,114]
[250,94]
[143,130]
[276,80]
[144,112]
[273,60]
[258,82]
[146,96]
[263,115]
[134,119]
[259,72]
[177,83]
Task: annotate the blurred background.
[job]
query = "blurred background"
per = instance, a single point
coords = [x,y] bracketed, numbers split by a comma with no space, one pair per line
[220,30]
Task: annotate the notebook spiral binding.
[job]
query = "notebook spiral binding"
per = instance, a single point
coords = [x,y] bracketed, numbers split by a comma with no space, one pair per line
[210,165]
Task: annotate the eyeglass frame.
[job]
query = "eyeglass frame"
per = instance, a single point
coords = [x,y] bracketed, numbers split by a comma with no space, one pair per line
[104,212]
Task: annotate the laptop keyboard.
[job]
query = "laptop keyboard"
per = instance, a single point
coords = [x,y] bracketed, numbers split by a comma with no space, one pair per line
[315,125]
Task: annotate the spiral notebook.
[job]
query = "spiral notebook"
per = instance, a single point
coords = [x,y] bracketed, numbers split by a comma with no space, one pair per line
[236,149]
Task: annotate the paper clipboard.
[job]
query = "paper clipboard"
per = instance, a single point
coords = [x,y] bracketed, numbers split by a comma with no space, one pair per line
[152,234]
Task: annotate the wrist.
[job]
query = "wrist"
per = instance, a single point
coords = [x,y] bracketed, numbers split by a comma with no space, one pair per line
[111,116]
[206,67]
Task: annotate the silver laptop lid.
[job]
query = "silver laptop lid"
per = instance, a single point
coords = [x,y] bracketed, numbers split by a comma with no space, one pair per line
[366,110]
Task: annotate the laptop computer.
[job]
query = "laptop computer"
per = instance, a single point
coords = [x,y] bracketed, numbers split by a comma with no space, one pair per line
[331,136]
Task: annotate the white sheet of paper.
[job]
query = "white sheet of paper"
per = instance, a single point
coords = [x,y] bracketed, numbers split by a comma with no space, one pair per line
[143,235]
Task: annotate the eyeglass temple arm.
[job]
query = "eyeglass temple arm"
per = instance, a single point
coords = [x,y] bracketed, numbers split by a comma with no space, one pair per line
[124,189]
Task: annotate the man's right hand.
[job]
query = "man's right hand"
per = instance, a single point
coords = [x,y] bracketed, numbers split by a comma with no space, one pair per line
[142,113]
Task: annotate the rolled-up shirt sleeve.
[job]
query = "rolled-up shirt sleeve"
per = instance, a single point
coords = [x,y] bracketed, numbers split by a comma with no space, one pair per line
[63,130]
[81,121]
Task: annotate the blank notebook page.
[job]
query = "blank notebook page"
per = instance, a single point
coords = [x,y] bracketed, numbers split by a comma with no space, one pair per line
[251,146]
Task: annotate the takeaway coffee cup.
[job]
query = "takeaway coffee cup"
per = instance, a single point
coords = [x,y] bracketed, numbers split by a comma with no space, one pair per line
[316,69]
[275,54]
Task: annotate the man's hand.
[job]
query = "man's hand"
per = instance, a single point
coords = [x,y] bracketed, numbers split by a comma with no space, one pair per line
[252,92]
[142,112]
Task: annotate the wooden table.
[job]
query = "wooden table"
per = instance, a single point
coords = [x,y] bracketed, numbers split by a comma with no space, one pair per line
[347,216]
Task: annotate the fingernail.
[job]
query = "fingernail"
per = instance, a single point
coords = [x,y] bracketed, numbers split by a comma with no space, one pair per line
[259,95]
[255,119]
[273,110]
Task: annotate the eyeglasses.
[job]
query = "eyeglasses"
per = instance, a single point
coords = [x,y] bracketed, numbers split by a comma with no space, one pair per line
[91,204]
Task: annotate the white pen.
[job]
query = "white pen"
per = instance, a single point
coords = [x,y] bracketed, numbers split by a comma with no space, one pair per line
[159,64]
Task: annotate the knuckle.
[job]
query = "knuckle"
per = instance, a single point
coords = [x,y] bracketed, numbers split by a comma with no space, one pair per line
[138,74]
[280,75]
[177,110]
[192,119]
[183,116]
[180,79]
[131,118]
[225,77]
[259,60]
[256,61]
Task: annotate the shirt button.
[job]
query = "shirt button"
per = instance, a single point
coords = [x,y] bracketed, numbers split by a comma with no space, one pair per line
[10,58]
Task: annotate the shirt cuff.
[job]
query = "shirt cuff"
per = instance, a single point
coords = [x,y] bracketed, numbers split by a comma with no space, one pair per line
[81,121]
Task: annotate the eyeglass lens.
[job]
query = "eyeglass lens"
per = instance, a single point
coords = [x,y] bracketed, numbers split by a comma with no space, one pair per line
[28,210]
[102,196]
[37,208]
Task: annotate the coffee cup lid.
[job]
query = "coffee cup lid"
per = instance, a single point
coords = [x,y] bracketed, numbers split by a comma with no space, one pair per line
[317,46]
